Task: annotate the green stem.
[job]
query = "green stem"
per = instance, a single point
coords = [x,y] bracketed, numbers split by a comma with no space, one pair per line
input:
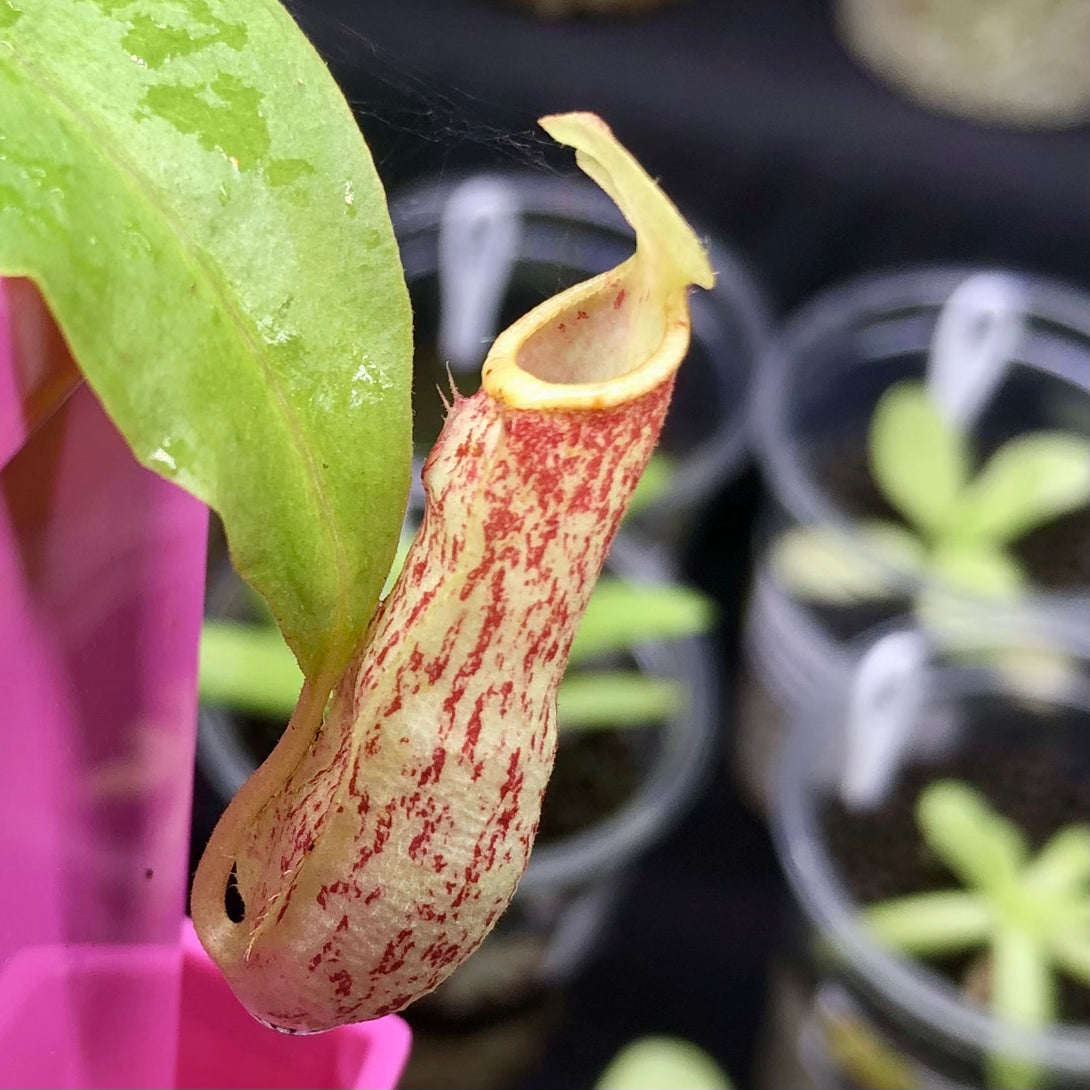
[1023,994]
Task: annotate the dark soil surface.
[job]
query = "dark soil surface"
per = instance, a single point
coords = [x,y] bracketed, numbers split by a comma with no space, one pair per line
[1057,555]
[595,774]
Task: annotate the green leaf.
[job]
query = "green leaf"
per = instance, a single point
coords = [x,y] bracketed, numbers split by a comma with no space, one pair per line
[1022,993]
[655,1063]
[248,668]
[188,188]
[980,846]
[404,544]
[980,569]
[1027,482]
[623,614]
[1069,946]
[606,699]
[656,481]
[820,564]
[1062,865]
[919,461]
[931,924]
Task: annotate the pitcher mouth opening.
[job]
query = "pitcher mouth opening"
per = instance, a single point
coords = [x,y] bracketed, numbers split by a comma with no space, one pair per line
[563,354]
[576,351]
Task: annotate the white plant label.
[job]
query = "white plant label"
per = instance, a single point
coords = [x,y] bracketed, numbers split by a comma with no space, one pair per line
[884,702]
[977,334]
[479,236]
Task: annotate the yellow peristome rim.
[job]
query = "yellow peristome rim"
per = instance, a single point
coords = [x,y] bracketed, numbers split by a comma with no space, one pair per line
[668,258]
[505,380]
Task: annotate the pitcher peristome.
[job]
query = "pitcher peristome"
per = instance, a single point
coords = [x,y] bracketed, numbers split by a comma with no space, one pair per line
[380,842]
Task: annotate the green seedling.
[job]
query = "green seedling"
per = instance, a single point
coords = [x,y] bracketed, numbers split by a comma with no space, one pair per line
[957,528]
[1029,914]
[654,1063]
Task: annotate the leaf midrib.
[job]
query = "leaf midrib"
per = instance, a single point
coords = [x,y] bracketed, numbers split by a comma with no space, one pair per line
[132,177]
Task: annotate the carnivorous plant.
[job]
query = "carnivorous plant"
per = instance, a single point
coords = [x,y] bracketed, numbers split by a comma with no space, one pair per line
[187,187]
[377,846]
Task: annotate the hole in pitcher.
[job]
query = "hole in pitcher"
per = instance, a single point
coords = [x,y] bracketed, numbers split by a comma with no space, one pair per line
[233,904]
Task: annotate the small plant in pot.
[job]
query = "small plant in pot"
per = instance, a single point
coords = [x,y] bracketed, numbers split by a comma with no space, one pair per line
[925,437]
[955,529]
[947,903]
[1029,915]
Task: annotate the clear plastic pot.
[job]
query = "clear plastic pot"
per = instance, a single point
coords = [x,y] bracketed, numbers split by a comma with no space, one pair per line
[847,1012]
[818,384]
[480,250]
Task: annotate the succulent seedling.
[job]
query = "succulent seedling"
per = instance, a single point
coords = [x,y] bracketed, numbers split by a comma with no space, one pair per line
[957,527]
[1029,914]
[651,1063]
